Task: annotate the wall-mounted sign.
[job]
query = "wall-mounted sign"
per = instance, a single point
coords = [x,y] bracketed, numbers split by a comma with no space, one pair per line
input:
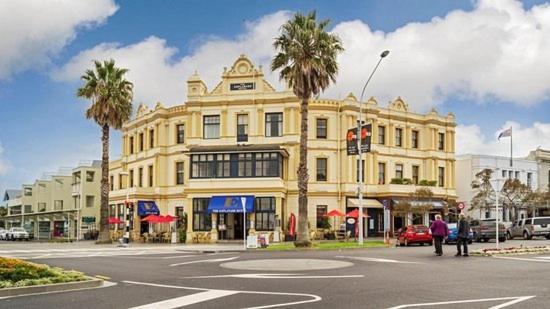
[351,139]
[242,86]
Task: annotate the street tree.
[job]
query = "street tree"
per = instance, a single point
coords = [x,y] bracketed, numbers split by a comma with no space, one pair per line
[484,197]
[111,105]
[516,196]
[306,58]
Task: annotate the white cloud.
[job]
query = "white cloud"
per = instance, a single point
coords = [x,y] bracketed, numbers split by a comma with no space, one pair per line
[497,50]
[157,74]
[34,31]
[471,140]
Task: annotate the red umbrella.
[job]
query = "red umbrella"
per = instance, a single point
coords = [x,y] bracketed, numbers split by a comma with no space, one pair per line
[113,220]
[152,219]
[169,218]
[334,213]
[292,225]
[355,214]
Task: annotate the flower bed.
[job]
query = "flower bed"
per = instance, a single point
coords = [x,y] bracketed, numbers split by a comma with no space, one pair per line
[18,273]
[511,251]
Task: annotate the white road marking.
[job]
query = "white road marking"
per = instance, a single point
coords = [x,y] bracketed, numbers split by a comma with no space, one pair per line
[368,259]
[177,256]
[312,298]
[205,261]
[522,259]
[274,276]
[542,257]
[187,300]
[513,300]
[106,284]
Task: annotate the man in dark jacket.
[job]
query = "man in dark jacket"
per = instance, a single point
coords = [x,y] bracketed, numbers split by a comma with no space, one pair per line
[440,231]
[463,232]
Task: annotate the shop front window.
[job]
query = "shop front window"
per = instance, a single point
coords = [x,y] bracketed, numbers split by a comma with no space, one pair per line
[264,209]
[201,217]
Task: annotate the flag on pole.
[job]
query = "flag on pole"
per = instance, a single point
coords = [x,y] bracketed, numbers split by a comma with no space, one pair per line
[505,133]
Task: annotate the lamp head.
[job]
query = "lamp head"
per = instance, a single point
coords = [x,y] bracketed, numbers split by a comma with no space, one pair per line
[384,53]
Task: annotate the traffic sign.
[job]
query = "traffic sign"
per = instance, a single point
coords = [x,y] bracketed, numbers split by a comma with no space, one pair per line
[461,205]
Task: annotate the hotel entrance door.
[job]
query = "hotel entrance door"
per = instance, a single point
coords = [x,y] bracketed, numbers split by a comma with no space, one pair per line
[230,226]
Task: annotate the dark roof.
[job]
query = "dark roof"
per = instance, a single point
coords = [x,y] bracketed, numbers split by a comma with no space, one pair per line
[238,148]
[11,194]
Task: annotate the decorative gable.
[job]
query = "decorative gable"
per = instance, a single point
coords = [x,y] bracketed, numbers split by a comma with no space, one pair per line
[399,105]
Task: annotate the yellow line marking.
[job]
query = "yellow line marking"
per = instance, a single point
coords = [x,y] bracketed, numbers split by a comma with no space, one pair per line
[102,277]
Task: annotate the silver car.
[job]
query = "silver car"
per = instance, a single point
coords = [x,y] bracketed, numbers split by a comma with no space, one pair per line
[3,233]
[530,227]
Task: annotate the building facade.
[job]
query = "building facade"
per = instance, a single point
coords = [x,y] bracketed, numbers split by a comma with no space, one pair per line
[238,144]
[542,157]
[60,205]
[469,165]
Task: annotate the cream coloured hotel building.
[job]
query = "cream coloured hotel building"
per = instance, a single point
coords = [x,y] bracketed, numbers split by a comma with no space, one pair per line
[241,139]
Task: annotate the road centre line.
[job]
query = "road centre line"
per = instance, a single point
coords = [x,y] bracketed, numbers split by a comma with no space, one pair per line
[522,259]
[313,298]
[380,260]
[205,261]
[513,300]
[178,256]
[274,276]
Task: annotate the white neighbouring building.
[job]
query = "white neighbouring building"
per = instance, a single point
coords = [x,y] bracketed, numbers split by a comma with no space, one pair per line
[542,157]
[467,166]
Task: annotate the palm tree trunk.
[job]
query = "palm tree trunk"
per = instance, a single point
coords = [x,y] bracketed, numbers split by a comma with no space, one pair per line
[104,236]
[302,239]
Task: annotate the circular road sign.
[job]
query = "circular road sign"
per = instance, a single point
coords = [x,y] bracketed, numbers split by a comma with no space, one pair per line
[461,205]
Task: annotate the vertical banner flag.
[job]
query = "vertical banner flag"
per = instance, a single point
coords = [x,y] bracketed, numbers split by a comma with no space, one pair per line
[351,140]
[508,133]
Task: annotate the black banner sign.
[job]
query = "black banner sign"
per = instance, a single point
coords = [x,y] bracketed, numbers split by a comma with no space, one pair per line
[351,139]
[242,86]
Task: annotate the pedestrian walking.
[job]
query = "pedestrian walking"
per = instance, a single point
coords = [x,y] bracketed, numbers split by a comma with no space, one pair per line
[439,231]
[463,235]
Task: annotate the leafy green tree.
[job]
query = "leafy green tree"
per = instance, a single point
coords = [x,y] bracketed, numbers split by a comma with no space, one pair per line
[484,198]
[516,196]
[111,105]
[307,62]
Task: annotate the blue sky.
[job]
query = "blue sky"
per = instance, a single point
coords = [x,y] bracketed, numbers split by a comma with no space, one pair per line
[443,55]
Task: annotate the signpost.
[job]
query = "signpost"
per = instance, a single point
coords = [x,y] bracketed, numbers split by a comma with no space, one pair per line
[461,206]
[243,201]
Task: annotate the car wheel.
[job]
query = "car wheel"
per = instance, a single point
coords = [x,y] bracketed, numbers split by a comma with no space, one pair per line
[503,239]
[486,239]
[526,236]
[422,244]
[547,236]
[509,236]
[470,242]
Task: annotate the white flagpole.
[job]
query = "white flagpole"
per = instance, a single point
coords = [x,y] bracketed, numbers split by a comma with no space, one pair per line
[511,147]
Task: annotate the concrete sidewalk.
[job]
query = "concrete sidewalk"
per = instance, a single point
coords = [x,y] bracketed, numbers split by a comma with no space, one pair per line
[91,246]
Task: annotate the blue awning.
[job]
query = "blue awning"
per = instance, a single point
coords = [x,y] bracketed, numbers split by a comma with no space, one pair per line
[146,208]
[231,204]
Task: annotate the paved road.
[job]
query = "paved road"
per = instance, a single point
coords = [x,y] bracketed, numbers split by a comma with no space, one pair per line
[374,278]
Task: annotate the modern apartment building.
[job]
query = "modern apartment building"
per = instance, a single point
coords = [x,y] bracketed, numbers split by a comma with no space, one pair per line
[57,205]
[237,146]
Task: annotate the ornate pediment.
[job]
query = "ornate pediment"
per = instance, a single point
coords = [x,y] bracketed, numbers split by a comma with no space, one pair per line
[399,105]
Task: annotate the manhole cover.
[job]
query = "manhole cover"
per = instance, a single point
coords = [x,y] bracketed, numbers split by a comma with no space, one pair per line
[286,264]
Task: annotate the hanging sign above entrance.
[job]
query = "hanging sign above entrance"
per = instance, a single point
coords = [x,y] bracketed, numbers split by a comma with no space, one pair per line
[231,204]
[351,139]
[242,86]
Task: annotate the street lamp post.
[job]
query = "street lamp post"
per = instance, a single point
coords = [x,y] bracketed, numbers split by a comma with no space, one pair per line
[497,188]
[359,151]
[126,237]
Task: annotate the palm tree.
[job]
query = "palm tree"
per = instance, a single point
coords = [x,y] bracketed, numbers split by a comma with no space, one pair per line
[307,60]
[111,96]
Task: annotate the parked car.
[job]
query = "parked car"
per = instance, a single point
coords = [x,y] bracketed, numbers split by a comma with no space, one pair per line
[453,234]
[529,228]
[414,234]
[484,230]
[3,233]
[17,233]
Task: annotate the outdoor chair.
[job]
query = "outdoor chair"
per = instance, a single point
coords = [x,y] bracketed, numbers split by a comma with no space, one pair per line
[166,237]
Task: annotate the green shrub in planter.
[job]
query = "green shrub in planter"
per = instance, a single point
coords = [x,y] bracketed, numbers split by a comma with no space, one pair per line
[396,181]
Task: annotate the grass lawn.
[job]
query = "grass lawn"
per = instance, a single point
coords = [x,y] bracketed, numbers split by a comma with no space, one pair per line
[19,273]
[332,245]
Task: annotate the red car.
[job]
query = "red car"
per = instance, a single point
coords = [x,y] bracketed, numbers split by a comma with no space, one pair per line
[414,234]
